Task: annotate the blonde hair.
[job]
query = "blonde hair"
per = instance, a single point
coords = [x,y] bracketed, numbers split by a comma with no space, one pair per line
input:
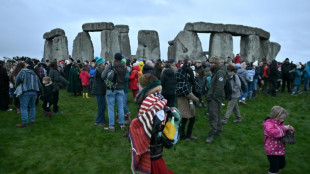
[278,112]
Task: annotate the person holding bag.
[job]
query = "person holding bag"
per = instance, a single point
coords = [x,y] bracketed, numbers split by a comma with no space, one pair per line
[274,129]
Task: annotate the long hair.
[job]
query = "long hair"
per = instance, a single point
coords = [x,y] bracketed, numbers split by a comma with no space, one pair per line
[17,69]
[278,112]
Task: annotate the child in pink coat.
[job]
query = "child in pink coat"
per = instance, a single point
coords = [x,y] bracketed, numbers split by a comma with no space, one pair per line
[84,76]
[274,129]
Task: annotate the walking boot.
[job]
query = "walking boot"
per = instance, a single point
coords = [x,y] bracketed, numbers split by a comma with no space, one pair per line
[209,139]
[128,120]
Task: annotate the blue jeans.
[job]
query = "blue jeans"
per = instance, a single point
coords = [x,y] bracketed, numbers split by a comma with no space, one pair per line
[244,94]
[28,99]
[126,109]
[111,96]
[101,108]
[296,88]
[255,84]
[306,84]
[250,89]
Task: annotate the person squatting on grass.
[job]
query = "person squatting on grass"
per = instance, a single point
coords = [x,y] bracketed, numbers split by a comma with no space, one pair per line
[233,103]
[147,147]
[99,89]
[30,85]
[215,97]
[117,93]
[274,129]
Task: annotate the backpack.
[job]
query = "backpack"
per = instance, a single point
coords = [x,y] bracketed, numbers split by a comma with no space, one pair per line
[111,78]
[228,90]
[242,83]
[170,134]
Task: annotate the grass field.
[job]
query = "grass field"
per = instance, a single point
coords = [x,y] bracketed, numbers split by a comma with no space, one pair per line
[70,143]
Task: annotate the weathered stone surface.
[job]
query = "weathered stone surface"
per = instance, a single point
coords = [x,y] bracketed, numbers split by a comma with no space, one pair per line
[125,45]
[83,47]
[274,49]
[148,45]
[60,48]
[54,33]
[236,30]
[98,26]
[110,44]
[250,49]
[186,45]
[171,42]
[122,28]
[48,49]
[264,45]
[221,45]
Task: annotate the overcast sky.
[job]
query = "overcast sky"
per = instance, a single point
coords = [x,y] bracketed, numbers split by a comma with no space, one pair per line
[23,22]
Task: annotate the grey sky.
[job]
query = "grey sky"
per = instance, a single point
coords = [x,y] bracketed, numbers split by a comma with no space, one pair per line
[23,22]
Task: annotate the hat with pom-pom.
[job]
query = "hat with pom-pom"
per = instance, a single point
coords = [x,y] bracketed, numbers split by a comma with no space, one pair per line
[99,60]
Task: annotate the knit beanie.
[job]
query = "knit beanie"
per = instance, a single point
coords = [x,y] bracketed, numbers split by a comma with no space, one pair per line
[99,60]
[118,56]
[124,61]
[255,63]
[214,59]
[29,62]
[47,80]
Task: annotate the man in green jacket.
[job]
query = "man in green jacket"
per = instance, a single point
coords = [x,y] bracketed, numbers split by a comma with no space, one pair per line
[216,96]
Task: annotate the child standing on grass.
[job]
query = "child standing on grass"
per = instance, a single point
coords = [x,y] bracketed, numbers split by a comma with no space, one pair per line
[47,97]
[274,129]
[84,76]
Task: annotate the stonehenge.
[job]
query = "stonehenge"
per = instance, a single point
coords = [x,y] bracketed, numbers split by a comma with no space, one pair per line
[254,42]
[56,45]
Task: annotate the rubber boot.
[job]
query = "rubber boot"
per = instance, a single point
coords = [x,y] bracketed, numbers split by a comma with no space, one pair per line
[83,95]
[86,95]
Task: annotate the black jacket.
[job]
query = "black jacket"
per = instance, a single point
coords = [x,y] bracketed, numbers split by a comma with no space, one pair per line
[99,87]
[168,81]
[48,94]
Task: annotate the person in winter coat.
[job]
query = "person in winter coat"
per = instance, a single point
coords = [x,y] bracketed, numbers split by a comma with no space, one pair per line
[251,73]
[99,89]
[84,76]
[47,97]
[215,97]
[237,59]
[273,78]
[244,76]
[169,82]
[57,82]
[92,73]
[74,81]
[147,147]
[17,69]
[256,77]
[133,79]
[31,85]
[115,94]
[186,99]
[4,87]
[149,67]
[306,76]
[285,68]
[297,80]
[274,128]
[233,103]
[125,98]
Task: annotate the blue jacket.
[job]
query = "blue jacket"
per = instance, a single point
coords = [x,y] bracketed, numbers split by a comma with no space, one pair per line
[29,80]
[298,75]
[307,70]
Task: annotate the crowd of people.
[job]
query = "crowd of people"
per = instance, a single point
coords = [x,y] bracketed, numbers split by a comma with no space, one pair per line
[154,86]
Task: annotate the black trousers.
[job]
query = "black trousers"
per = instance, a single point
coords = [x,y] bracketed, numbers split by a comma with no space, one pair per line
[286,79]
[4,100]
[273,86]
[276,163]
[46,106]
[189,128]
[55,100]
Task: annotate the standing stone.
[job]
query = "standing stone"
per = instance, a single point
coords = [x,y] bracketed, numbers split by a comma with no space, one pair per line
[48,49]
[54,33]
[148,45]
[110,44]
[83,47]
[221,45]
[186,45]
[250,48]
[124,40]
[171,50]
[60,48]
[265,46]
[274,49]
[98,26]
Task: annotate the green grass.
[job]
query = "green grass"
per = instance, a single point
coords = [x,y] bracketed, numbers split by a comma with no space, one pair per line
[70,143]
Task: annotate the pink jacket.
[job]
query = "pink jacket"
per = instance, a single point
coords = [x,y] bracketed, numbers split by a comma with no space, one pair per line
[273,130]
[84,76]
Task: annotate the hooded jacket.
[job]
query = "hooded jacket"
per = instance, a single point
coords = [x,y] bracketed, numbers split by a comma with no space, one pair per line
[133,78]
[307,70]
[273,130]
[84,76]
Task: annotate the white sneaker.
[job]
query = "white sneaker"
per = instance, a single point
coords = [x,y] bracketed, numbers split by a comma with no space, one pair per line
[10,109]
[223,104]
